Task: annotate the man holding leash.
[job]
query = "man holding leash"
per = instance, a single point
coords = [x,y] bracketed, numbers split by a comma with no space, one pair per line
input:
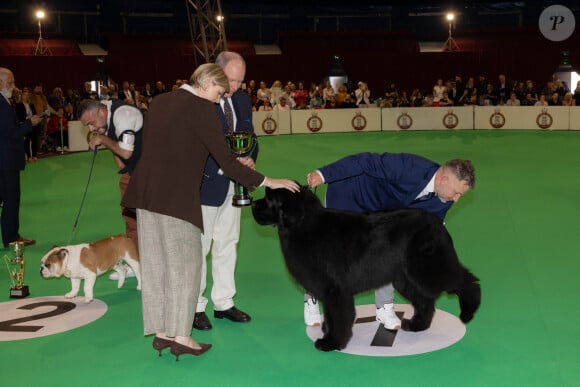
[221,220]
[368,182]
[116,126]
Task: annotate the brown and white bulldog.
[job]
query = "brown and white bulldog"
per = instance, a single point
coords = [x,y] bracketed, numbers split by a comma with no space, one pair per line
[88,260]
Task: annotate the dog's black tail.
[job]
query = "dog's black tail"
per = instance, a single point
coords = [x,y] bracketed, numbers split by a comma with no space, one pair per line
[469,296]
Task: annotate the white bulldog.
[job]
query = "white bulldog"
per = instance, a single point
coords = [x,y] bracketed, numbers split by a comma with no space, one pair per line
[89,260]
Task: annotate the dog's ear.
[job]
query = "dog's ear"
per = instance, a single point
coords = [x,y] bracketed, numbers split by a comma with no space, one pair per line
[62,253]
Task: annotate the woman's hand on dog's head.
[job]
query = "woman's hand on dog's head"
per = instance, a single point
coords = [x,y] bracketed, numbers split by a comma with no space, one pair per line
[282,183]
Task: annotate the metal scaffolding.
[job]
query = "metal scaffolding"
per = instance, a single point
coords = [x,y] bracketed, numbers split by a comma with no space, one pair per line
[206,29]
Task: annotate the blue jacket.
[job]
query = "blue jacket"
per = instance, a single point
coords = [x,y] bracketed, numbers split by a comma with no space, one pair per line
[214,187]
[368,182]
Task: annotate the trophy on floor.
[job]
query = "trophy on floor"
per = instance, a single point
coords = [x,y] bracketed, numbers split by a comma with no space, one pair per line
[15,267]
[241,144]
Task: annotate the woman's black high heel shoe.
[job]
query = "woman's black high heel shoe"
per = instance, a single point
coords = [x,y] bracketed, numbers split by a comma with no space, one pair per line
[160,344]
[180,349]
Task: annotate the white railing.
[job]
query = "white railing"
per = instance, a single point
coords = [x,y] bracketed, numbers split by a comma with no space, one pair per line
[429,118]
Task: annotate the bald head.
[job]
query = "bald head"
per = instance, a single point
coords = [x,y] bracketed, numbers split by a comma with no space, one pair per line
[235,68]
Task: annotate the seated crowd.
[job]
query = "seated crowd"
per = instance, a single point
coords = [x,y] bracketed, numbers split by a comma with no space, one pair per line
[49,137]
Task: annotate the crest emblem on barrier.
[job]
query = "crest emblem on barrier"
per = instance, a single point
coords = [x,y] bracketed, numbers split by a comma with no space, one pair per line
[497,120]
[314,123]
[269,125]
[359,122]
[544,120]
[404,121]
[450,120]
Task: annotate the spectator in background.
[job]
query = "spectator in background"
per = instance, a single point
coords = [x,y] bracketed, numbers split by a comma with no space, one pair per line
[282,105]
[88,92]
[576,94]
[265,106]
[568,100]
[470,88]
[301,94]
[404,100]
[341,96]
[513,100]
[489,98]
[69,112]
[531,89]
[328,91]
[56,99]
[416,98]
[104,93]
[445,100]
[262,93]
[502,90]
[276,91]
[554,100]
[57,130]
[528,100]
[127,95]
[147,93]
[481,85]
[287,93]
[560,87]
[159,89]
[520,90]
[391,91]
[438,91]
[362,94]
[39,100]
[251,90]
[541,101]
[452,91]
[72,97]
[316,102]
[25,110]
[459,85]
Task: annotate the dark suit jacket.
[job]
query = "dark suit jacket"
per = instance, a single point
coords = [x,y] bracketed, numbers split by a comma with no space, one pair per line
[21,111]
[369,182]
[180,131]
[12,134]
[214,187]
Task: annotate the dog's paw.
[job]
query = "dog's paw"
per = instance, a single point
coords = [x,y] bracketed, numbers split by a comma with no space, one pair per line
[326,345]
[138,287]
[412,326]
[88,300]
[70,295]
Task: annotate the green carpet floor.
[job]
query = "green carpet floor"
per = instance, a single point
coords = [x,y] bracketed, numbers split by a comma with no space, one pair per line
[517,231]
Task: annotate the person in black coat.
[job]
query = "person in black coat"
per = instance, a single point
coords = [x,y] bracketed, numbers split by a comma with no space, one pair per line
[12,133]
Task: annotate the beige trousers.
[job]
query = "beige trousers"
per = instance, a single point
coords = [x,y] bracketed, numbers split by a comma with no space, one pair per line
[170,255]
[222,226]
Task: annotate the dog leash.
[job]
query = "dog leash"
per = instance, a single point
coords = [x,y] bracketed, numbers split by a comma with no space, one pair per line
[76,223]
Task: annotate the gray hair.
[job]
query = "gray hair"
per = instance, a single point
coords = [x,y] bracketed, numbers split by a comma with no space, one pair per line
[226,57]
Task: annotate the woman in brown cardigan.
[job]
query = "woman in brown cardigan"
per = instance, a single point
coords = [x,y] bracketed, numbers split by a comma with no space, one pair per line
[181,129]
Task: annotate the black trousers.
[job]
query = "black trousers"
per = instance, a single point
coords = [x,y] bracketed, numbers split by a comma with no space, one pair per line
[10,196]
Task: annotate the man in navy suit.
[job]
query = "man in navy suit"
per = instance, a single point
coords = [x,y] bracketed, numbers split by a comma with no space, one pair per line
[12,160]
[221,220]
[368,182]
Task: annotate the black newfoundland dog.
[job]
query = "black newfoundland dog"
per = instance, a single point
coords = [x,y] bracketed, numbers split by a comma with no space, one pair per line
[335,255]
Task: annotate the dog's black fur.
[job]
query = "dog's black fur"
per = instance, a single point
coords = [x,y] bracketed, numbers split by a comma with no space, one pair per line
[336,254]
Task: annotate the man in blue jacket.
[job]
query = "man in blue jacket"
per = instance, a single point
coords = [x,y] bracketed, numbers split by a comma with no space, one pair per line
[221,220]
[12,160]
[368,182]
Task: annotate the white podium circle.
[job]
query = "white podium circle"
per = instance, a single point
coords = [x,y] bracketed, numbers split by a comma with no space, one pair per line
[446,329]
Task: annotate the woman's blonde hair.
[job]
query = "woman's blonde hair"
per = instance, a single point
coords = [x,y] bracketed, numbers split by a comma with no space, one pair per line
[209,72]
